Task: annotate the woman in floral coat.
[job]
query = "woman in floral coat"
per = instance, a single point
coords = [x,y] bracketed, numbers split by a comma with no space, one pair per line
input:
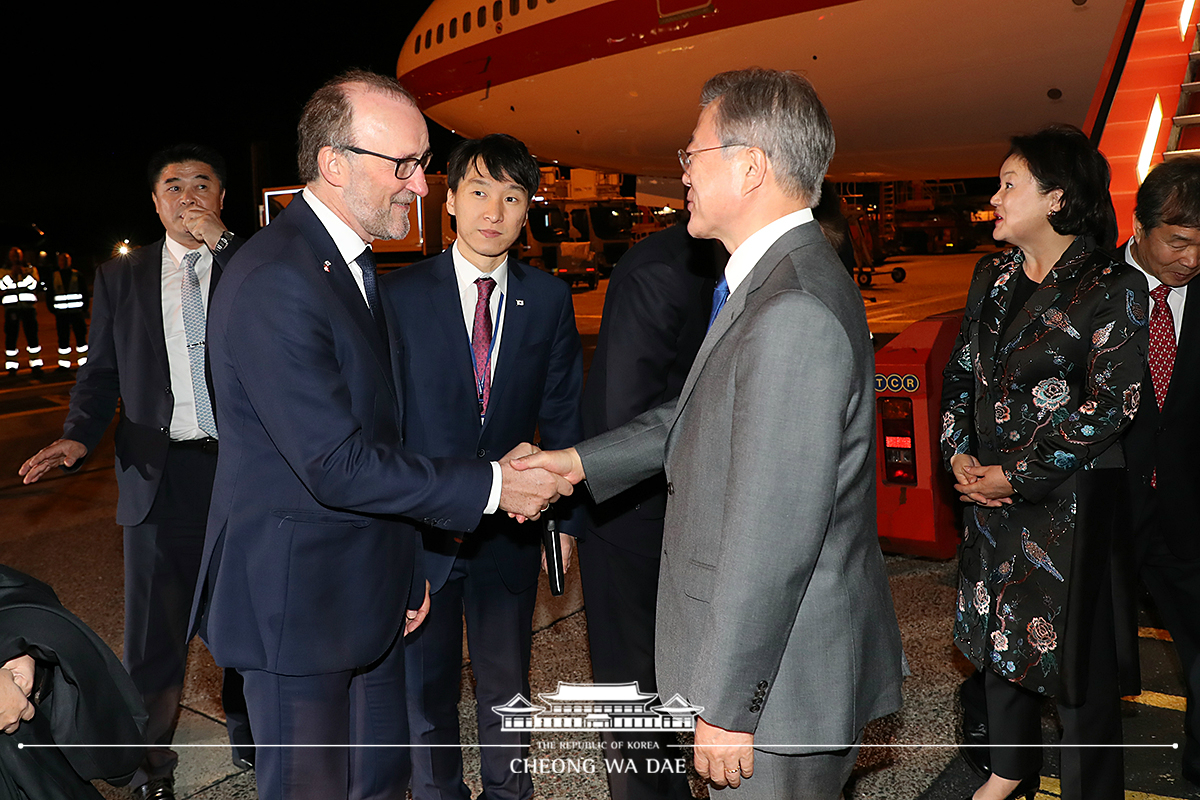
[1043,379]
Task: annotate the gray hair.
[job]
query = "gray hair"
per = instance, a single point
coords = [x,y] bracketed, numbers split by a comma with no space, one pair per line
[781,114]
[328,116]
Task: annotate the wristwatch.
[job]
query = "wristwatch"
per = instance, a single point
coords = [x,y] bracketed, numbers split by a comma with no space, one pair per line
[223,242]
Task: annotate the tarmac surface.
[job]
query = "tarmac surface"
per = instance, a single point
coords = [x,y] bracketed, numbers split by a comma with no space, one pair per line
[61,530]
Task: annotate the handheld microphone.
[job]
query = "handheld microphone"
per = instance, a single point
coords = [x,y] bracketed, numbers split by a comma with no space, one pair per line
[554,555]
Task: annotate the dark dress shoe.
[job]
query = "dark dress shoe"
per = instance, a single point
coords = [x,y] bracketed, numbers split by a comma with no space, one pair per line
[156,789]
[244,759]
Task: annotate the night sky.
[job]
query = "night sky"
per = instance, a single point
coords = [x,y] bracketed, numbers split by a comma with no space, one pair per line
[86,105]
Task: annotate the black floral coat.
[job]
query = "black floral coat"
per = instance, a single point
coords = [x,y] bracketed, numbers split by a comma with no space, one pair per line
[1046,398]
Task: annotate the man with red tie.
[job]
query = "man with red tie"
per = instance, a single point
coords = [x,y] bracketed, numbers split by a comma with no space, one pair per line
[1162,443]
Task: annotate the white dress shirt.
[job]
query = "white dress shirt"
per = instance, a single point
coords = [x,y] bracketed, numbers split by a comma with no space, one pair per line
[184,424]
[350,245]
[742,260]
[1175,297]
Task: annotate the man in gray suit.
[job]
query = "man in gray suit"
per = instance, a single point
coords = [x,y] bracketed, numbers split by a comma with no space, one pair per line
[774,611]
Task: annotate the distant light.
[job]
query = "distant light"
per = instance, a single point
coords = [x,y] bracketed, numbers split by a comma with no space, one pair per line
[537,198]
[1185,16]
[123,249]
[1149,140]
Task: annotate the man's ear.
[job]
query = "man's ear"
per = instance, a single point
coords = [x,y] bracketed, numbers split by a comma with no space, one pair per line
[753,168]
[450,202]
[332,165]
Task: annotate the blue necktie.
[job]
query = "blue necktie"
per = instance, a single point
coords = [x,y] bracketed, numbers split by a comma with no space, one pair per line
[366,262]
[720,295]
[194,329]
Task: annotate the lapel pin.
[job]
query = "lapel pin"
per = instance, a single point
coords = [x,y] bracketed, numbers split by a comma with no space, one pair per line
[326,266]
[520,302]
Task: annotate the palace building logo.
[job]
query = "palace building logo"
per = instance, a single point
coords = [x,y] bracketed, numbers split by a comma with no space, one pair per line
[597,706]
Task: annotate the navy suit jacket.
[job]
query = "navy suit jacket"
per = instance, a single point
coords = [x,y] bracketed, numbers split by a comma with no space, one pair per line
[127,360]
[307,567]
[536,387]
[1168,441]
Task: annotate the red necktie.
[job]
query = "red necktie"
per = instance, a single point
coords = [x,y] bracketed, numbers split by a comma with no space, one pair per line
[1162,350]
[481,341]
[1162,344]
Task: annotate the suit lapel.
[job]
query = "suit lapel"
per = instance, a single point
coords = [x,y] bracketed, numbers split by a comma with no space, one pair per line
[342,284]
[445,308]
[147,282]
[1185,348]
[516,317]
[736,304]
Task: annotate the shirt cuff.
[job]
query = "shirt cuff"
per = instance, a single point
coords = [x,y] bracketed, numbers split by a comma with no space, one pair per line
[493,503]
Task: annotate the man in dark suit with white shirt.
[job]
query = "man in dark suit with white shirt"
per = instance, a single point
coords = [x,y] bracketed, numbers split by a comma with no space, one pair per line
[146,349]
[308,582]
[488,355]
[1162,443]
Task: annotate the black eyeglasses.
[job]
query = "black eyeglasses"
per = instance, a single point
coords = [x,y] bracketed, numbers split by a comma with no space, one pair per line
[685,156]
[405,167]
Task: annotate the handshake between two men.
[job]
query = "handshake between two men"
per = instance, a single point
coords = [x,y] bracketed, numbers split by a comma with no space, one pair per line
[534,478]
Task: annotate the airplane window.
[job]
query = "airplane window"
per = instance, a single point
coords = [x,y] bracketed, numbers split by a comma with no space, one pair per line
[467,22]
[514,6]
[454,27]
[481,17]
[418,43]
[428,38]
[497,10]
[439,36]
[532,4]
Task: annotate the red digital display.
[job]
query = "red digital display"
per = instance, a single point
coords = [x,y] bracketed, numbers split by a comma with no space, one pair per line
[902,442]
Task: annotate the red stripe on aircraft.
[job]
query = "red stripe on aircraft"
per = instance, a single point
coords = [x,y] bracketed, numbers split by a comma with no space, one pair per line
[593,33]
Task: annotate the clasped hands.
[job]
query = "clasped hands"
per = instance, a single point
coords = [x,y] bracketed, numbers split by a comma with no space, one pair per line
[984,486]
[534,478]
[16,684]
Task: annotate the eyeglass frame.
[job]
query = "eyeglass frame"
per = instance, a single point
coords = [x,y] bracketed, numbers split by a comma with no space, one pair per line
[420,162]
[685,156]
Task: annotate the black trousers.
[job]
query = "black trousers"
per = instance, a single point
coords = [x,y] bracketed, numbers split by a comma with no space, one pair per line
[14,320]
[499,637]
[620,591]
[162,562]
[66,324]
[1174,583]
[1014,718]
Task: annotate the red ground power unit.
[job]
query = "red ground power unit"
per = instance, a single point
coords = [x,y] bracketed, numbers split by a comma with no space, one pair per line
[917,508]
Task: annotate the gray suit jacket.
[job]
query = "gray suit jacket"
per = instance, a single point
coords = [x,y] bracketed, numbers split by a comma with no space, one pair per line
[774,610]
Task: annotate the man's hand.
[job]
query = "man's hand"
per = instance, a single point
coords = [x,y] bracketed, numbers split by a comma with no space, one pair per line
[568,543]
[724,757]
[16,682]
[561,462]
[204,225]
[64,453]
[415,616]
[526,494]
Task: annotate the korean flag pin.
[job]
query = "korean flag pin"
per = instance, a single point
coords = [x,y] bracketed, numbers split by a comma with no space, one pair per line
[520,302]
[326,266]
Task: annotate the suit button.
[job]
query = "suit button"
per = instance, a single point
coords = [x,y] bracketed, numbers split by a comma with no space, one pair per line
[480,453]
[670,488]
[163,429]
[168,390]
[756,708]
[762,684]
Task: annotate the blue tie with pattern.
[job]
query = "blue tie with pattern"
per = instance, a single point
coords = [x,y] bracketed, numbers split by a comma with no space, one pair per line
[193,328]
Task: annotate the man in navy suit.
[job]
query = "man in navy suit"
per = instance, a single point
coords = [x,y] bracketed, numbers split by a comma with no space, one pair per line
[308,574]
[488,353]
[1161,446]
[140,352]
